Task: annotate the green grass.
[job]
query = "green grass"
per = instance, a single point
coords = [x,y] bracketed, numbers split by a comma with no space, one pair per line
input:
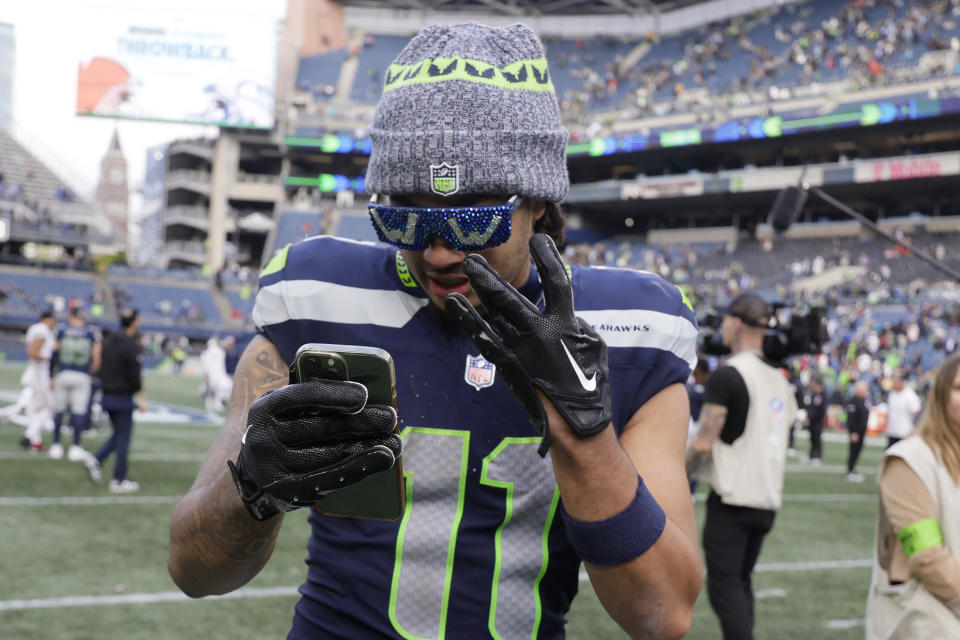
[70,550]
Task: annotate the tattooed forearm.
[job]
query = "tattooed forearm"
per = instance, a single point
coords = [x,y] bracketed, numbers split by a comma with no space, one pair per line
[261,369]
[215,546]
[712,419]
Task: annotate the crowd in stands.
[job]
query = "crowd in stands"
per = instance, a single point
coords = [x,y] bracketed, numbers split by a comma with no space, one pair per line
[879,343]
[14,191]
[40,218]
[29,296]
[186,310]
[894,316]
[768,263]
[759,56]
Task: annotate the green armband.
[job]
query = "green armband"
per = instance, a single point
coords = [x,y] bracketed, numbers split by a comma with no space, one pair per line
[919,536]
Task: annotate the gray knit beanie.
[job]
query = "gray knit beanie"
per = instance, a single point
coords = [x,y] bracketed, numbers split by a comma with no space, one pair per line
[468,108]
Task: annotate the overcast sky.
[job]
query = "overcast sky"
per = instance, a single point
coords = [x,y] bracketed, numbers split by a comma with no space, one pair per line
[47,34]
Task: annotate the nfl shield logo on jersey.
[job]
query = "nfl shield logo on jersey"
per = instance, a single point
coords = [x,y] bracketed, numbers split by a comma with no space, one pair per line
[776,412]
[479,372]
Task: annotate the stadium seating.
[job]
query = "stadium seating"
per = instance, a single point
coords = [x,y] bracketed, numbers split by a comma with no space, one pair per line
[588,64]
[372,61]
[125,271]
[294,226]
[356,227]
[26,295]
[317,74]
[773,264]
[739,60]
[168,305]
[788,45]
[243,305]
[30,181]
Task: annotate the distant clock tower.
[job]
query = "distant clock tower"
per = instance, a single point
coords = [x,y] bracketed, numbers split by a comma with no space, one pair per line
[113,199]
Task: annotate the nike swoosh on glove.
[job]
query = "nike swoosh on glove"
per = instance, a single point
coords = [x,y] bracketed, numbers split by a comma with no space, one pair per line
[306,440]
[554,351]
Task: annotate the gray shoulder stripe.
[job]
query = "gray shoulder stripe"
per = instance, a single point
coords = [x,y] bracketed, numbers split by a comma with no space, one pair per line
[329,302]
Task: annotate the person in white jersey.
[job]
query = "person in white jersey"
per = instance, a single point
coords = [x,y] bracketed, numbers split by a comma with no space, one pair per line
[915,588]
[740,449]
[41,343]
[903,407]
[217,383]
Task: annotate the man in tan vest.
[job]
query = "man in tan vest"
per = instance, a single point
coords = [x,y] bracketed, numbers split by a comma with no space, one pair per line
[740,449]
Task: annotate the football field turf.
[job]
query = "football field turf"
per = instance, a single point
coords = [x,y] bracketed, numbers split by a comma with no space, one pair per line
[81,563]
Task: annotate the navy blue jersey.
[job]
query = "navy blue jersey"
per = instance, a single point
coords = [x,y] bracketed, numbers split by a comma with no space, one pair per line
[480,550]
[76,347]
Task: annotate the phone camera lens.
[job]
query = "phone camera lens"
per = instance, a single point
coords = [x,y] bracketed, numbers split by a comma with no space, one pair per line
[334,374]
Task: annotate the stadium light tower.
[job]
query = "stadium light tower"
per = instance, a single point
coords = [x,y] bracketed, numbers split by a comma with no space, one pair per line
[791,200]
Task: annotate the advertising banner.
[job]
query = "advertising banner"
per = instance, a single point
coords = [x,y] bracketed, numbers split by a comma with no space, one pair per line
[178,65]
[666,187]
[931,165]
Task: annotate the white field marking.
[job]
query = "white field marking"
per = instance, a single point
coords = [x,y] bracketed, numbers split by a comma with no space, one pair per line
[814,565]
[194,427]
[799,467]
[83,501]
[138,598]
[848,623]
[830,497]
[841,436]
[139,457]
[815,497]
[166,432]
[770,593]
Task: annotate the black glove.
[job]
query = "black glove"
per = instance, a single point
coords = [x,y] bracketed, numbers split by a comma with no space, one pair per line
[306,440]
[554,351]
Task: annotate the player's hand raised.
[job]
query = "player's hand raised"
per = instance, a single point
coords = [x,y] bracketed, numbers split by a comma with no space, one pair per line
[552,351]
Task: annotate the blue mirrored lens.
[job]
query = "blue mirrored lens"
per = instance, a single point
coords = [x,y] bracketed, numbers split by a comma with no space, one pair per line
[465,228]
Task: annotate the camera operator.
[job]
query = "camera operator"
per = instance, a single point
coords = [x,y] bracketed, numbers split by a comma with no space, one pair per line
[740,449]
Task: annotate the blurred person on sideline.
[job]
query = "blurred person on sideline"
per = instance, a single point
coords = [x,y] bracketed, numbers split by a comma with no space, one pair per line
[903,407]
[858,413]
[915,588]
[217,384]
[77,358]
[232,355]
[800,419]
[815,402]
[120,377]
[530,448]
[41,343]
[178,354]
[740,449]
[695,394]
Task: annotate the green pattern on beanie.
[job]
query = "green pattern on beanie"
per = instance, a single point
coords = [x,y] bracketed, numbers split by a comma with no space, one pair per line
[522,75]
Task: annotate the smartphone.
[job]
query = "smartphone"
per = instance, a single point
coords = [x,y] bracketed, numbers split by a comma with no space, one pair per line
[380,496]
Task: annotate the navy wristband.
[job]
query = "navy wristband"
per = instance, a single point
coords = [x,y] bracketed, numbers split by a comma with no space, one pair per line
[619,538]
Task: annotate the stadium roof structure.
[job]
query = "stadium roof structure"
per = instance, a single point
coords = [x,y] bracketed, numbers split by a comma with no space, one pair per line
[531,7]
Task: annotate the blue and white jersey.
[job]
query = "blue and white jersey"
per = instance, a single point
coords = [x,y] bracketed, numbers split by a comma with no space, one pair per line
[76,347]
[480,550]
